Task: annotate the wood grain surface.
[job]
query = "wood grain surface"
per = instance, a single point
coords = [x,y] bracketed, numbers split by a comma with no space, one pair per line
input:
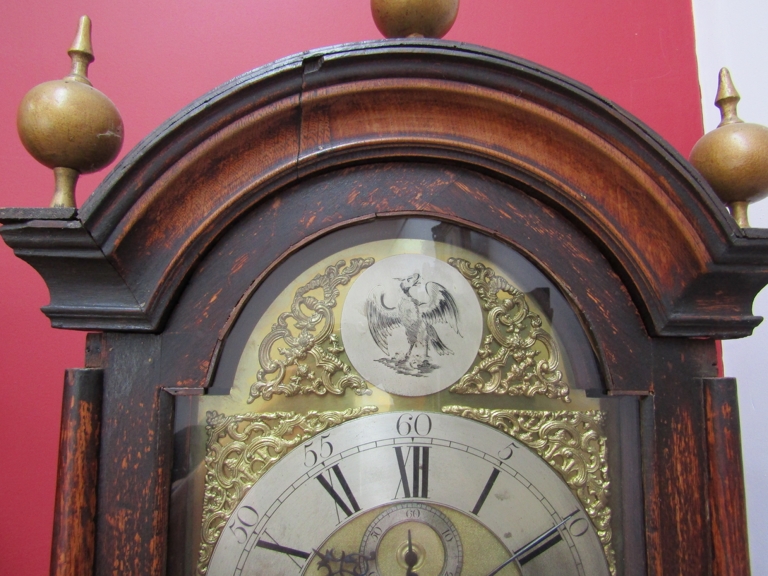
[692,271]
[183,231]
[726,471]
[74,529]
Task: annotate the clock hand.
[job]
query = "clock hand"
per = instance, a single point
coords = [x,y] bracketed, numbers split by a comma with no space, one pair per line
[410,558]
[532,544]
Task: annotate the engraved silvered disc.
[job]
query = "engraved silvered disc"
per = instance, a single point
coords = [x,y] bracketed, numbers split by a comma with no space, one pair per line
[411,325]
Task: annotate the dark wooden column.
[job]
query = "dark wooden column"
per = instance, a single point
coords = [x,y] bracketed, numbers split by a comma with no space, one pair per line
[135,459]
[727,501]
[74,529]
[677,535]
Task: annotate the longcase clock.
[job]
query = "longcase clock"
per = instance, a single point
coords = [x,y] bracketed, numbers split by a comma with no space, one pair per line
[395,308]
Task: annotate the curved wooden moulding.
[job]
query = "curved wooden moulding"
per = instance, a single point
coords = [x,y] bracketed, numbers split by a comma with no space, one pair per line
[281,226]
[681,257]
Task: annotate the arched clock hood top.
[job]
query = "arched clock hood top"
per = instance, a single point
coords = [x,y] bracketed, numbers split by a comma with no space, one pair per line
[143,230]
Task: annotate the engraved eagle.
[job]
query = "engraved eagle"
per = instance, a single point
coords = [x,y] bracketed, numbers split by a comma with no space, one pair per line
[420,306]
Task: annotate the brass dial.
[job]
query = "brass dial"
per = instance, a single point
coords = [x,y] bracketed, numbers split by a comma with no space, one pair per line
[371,385]
[413,536]
[470,498]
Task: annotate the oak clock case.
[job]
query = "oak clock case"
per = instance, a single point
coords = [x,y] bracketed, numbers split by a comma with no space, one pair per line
[405,396]
[245,197]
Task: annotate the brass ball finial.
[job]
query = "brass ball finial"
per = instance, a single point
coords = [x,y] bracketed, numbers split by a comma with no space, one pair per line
[734,156]
[68,125]
[414,18]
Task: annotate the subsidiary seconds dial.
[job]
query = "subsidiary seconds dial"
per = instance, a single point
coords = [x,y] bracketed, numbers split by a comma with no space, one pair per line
[409,493]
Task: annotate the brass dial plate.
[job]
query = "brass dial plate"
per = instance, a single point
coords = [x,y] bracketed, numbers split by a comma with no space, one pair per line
[395,458]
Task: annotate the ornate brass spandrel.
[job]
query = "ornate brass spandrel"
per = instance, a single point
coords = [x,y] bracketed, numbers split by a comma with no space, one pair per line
[241,448]
[571,442]
[310,362]
[508,357]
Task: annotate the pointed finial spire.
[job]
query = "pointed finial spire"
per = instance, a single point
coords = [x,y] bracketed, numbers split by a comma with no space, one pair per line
[727,98]
[81,52]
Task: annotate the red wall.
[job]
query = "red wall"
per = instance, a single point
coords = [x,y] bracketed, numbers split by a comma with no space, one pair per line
[153,58]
